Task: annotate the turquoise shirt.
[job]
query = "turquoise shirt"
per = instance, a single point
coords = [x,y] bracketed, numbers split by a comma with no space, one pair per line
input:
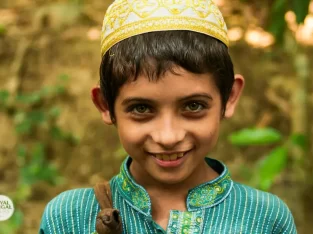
[217,206]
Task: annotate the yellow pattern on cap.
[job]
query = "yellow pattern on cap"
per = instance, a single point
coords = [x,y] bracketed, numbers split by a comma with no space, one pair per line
[127,18]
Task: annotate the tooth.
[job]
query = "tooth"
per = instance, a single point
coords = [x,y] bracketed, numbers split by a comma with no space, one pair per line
[173,157]
[166,157]
[158,156]
[180,155]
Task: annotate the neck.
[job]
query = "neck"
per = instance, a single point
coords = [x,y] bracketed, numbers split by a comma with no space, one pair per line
[154,187]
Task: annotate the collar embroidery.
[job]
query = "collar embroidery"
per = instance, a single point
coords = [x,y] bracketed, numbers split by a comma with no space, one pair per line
[133,193]
[203,196]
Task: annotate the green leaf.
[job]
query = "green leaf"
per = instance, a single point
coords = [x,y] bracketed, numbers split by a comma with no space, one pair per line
[22,192]
[277,23]
[57,133]
[300,140]
[40,172]
[3,29]
[21,151]
[19,117]
[4,96]
[13,224]
[27,175]
[17,217]
[50,174]
[34,170]
[257,136]
[38,153]
[21,98]
[38,169]
[301,9]
[29,99]
[26,121]
[36,116]
[64,77]
[24,127]
[45,91]
[54,112]
[246,172]
[21,154]
[72,139]
[59,89]
[271,166]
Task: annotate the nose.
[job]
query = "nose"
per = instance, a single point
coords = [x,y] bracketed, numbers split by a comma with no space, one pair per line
[168,132]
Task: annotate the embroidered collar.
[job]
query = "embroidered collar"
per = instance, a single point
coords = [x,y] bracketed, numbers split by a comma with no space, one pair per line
[203,196]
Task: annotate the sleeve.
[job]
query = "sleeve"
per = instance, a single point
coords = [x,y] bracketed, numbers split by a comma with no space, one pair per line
[72,211]
[51,216]
[284,222]
[44,229]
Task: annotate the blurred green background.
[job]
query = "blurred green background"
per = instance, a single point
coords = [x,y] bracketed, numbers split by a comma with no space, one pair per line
[53,139]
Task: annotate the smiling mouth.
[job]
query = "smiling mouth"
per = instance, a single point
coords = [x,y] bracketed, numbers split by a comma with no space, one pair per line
[170,157]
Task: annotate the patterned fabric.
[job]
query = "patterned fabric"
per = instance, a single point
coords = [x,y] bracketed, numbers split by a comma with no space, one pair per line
[73,211]
[203,196]
[218,206]
[126,18]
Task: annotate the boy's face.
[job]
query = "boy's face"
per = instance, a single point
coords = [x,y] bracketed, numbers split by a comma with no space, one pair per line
[169,126]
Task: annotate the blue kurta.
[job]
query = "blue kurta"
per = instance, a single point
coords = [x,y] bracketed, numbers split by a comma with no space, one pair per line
[217,206]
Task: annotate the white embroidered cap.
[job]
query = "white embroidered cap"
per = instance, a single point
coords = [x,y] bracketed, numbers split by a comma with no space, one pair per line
[127,18]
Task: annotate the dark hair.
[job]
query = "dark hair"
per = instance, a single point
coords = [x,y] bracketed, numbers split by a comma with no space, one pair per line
[155,53]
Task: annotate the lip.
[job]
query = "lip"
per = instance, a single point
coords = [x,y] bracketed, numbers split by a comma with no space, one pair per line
[168,152]
[171,164]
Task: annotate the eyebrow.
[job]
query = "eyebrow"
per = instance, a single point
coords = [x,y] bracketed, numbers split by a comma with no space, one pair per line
[196,95]
[129,100]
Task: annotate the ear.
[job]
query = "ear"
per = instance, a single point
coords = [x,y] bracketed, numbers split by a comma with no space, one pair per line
[101,105]
[235,94]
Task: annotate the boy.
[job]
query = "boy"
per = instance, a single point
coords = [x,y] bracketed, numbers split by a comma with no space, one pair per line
[166,82]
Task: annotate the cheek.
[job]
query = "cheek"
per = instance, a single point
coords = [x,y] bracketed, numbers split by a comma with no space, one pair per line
[208,132]
[130,136]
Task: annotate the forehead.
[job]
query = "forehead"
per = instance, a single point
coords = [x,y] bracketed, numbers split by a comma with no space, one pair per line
[170,85]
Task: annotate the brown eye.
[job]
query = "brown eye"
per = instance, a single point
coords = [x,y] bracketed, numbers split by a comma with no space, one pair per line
[194,107]
[140,109]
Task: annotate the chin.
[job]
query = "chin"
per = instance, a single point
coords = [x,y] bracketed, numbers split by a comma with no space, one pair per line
[170,178]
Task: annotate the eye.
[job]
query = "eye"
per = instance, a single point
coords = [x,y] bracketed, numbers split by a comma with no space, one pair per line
[194,107]
[140,109]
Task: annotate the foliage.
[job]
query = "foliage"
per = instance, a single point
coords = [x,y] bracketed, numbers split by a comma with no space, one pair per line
[277,22]
[270,166]
[255,136]
[35,118]
[2,29]
[13,224]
